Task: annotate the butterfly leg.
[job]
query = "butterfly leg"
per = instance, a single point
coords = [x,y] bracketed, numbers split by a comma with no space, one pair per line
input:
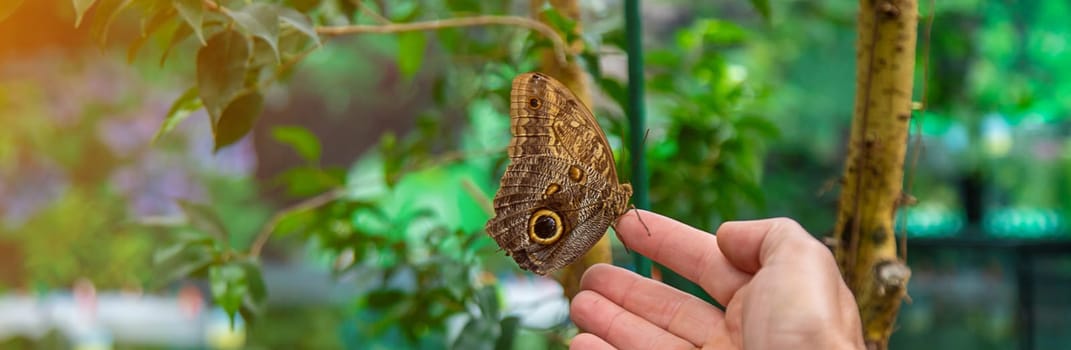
[633,208]
[623,244]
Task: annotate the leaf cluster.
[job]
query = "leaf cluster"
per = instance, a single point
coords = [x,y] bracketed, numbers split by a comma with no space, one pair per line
[703,138]
[240,51]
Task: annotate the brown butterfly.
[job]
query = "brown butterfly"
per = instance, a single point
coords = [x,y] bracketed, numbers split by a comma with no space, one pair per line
[560,192]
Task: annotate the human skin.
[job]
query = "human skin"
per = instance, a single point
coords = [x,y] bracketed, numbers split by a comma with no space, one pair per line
[780,287]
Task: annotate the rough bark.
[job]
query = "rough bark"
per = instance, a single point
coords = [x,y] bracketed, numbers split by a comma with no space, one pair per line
[865,243]
[572,75]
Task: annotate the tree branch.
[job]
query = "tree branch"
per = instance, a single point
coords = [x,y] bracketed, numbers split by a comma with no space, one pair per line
[308,204]
[560,50]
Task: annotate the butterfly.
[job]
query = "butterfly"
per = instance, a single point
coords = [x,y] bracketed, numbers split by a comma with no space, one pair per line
[560,191]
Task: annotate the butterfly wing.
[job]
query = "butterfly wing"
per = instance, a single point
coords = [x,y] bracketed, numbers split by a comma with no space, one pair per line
[578,212]
[546,118]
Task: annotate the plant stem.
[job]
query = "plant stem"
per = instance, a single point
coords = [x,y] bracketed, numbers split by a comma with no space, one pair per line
[560,50]
[308,204]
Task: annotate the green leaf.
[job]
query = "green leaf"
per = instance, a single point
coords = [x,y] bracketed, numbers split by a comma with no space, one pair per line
[384,298]
[615,37]
[615,89]
[566,26]
[221,68]
[187,259]
[764,127]
[192,11]
[263,56]
[228,285]
[171,252]
[763,6]
[180,109]
[104,16]
[80,8]
[303,5]
[404,11]
[300,22]
[411,47]
[719,32]
[478,333]
[150,27]
[258,291]
[204,219]
[8,7]
[181,32]
[464,6]
[509,327]
[487,298]
[238,119]
[306,181]
[261,21]
[591,61]
[663,58]
[300,139]
[148,9]
[294,221]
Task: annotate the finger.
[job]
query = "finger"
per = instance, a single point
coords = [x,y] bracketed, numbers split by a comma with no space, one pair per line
[599,316]
[692,253]
[680,313]
[588,341]
[749,245]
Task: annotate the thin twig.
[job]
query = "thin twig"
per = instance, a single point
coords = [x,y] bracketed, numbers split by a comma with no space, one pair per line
[287,65]
[212,5]
[308,204]
[478,195]
[450,157]
[367,11]
[516,21]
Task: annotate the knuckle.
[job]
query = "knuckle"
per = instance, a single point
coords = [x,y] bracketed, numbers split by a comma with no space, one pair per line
[786,224]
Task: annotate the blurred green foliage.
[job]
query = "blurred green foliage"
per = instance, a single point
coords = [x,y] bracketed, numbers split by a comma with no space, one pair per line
[76,178]
[748,110]
[416,206]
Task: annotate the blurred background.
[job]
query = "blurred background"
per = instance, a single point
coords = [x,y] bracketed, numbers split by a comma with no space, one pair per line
[351,215]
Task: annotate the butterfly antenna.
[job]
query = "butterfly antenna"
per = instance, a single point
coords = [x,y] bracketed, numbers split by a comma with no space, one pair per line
[644,143]
[641,220]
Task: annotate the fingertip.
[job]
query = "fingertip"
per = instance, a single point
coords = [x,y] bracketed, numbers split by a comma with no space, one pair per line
[594,274]
[582,302]
[588,341]
[584,305]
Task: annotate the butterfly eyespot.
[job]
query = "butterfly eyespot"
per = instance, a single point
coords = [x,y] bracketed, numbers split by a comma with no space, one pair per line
[545,227]
[551,189]
[534,103]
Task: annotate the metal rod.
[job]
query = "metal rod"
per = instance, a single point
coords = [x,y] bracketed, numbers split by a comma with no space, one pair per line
[636,117]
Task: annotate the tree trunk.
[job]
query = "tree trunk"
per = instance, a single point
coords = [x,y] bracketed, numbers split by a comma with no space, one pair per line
[572,76]
[865,243]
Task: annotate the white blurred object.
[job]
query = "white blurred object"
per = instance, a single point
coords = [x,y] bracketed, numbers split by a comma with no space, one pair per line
[99,323]
[180,320]
[22,315]
[538,301]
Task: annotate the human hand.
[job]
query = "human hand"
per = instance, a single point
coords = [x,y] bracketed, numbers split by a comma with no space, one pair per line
[780,287]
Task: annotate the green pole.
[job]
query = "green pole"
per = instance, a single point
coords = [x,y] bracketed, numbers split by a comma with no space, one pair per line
[636,117]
